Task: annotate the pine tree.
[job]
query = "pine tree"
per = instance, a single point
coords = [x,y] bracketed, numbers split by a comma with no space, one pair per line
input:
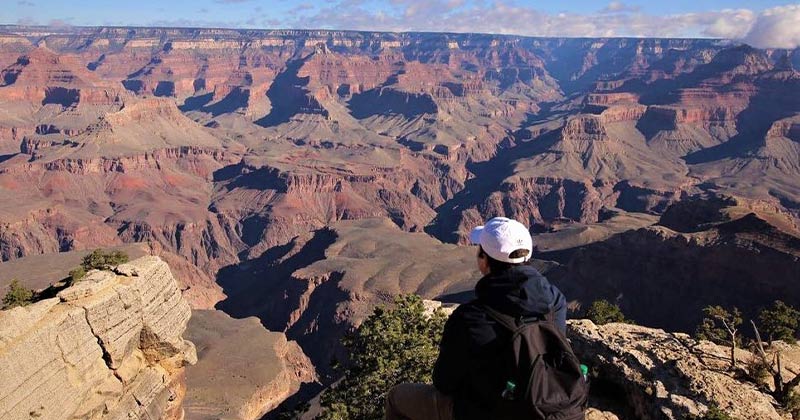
[17,295]
[392,346]
[96,260]
[603,312]
[722,327]
[780,322]
[99,260]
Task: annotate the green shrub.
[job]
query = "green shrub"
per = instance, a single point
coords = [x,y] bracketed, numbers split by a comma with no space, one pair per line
[99,260]
[294,414]
[392,346]
[75,275]
[716,413]
[17,295]
[603,312]
[713,413]
[780,322]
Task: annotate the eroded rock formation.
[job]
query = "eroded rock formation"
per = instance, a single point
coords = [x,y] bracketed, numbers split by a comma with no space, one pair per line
[243,370]
[109,347]
[218,145]
[725,251]
[232,151]
[661,375]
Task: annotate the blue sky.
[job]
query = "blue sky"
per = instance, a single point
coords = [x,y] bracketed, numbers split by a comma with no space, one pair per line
[687,18]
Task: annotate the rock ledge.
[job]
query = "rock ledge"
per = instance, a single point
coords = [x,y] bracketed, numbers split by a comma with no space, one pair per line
[109,347]
[667,375]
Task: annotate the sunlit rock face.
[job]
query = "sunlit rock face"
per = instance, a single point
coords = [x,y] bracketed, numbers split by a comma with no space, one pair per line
[109,347]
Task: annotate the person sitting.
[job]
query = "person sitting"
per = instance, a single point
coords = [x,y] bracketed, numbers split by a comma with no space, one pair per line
[467,377]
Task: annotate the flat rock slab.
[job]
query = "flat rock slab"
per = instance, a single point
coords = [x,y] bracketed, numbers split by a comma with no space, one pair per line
[243,370]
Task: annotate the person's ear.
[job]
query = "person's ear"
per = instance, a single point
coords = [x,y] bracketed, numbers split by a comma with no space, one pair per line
[483,263]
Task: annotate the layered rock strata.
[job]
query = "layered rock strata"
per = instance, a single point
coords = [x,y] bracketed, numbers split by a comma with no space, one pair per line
[734,256]
[109,347]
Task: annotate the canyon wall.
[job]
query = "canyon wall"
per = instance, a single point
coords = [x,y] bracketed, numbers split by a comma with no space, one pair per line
[109,347]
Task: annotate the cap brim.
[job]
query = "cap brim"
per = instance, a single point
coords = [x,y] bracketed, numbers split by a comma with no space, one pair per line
[475,235]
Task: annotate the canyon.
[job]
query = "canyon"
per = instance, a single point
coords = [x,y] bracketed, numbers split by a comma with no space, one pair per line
[303,176]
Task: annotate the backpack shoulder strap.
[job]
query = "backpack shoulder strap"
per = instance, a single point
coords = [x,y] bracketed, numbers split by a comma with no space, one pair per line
[512,323]
[505,320]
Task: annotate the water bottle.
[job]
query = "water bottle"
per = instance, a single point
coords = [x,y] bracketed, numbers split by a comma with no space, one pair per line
[508,393]
[585,374]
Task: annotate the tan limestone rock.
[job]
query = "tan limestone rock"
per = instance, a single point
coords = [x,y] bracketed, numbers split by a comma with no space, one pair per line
[595,414]
[110,346]
[667,375]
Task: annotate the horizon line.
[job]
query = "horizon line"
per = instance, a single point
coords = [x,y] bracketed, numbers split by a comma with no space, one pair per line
[239,29]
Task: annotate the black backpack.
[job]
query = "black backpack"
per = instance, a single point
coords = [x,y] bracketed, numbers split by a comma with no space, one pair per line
[543,379]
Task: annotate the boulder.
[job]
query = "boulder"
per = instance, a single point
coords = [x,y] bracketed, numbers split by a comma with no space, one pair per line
[108,347]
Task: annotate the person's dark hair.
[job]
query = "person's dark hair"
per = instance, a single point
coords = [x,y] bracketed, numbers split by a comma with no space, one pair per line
[496,266]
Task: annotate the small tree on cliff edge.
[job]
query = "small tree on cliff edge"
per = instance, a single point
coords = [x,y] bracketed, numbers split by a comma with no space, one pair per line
[97,260]
[17,295]
[780,322]
[392,346]
[603,312]
[782,391]
[722,327]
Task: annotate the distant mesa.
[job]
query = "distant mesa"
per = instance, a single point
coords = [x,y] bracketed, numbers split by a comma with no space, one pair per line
[391,102]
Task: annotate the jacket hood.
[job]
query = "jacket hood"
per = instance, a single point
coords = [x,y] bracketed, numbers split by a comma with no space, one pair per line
[519,291]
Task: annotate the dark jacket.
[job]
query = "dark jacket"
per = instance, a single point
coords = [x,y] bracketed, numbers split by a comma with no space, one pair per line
[469,364]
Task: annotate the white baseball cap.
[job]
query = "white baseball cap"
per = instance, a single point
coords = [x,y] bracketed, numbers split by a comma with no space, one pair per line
[501,236]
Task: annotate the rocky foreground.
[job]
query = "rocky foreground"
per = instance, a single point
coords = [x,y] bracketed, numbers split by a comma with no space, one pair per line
[121,344]
[109,347]
[113,347]
[643,373]
[654,374]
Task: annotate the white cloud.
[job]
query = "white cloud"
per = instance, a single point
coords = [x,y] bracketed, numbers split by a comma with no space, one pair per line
[778,27]
[730,24]
[619,7]
[195,23]
[615,6]
[510,17]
